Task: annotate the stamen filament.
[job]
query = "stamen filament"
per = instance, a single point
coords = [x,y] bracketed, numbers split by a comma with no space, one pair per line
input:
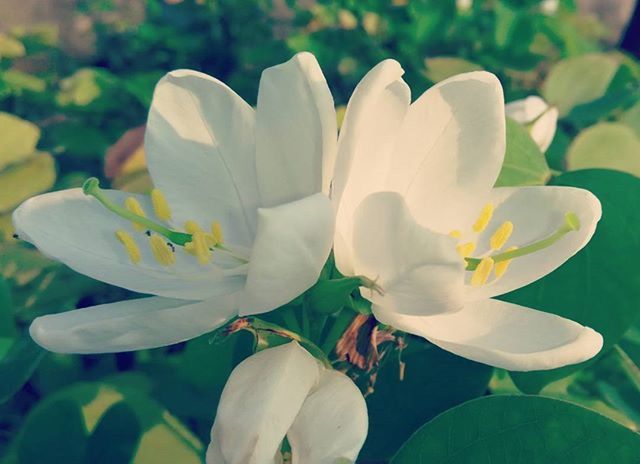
[572,223]
[92,188]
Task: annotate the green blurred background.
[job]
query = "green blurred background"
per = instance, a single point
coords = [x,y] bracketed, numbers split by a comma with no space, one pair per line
[76,79]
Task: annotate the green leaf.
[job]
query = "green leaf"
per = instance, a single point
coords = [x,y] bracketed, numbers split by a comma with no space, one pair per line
[631,118]
[7,324]
[19,81]
[434,380]
[606,145]
[19,139]
[115,438]
[578,80]
[26,179]
[11,47]
[440,68]
[85,87]
[18,365]
[524,163]
[600,286]
[520,430]
[329,295]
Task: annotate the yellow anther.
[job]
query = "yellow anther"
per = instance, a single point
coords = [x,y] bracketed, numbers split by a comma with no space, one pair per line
[500,236]
[130,245]
[199,247]
[134,206]
[161,251]
[466,249]
[192,227]
[484,218]
[160,205]
[216,232]
[482,272]
[455,234]
[501,266]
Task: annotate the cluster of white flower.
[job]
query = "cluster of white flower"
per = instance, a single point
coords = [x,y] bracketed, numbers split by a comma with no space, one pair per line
[249,204]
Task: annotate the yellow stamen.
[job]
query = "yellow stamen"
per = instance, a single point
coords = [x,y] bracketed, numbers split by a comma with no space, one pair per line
[455,234]
[466,249]
[130,245]
[481,274]
[216,232]
[191,227]
[161,251]
[134,206]
[501,266]
[484,218]
[500,236]
[200,242]
[160,205]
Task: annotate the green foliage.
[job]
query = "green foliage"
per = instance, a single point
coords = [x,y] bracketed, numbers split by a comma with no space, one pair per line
[520,429]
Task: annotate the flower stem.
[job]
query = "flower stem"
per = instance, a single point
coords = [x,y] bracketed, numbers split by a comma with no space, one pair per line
[340,324]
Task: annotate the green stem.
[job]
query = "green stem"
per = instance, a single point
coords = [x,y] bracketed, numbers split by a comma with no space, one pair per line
[341,323]
[630,368]
[306,326]
[291,321]
[571,224]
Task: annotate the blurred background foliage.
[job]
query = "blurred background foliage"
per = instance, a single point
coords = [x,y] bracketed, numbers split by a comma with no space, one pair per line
[70,109]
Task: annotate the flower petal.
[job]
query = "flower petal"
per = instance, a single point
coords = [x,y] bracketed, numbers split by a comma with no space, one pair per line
[200,145]
[536,213]
[291,247]
[450,150]
[260,402]
[373,116]
[77,230]
[332,423]
[535,110]
[419,270]
[503,335]
[130,325]
[295,131]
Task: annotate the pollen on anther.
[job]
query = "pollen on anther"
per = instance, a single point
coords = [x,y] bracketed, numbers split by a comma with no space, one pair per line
[501,266]
[199,247]
[483,219]
[482,272]
[501,235]
[129,245]
[161,251]
[134,206]
[160,205]
[466,249]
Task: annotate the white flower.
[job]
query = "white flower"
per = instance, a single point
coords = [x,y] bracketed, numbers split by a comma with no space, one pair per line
[237,225]
[414,196]
[549,7]
[540,118]
[284,391]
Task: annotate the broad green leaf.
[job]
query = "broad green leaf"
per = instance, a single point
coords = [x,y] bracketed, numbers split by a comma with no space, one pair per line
[578,80]
[84,87]
[434,380]
[19,81]
[10,47]
[524,163]
[115,438]
[520,430]
[18,365]
[19,139]
[606,145]
[21,181]
[600,286]
[440,68]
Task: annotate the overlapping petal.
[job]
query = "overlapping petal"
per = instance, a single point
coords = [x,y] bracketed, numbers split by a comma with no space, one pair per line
[534,111]
[259,403]
[80,232]
[450,150]
[419,270]
[536,213]
[503,335]
[200,148]
[291,246]
[332,423]
[130,325]
[295,131]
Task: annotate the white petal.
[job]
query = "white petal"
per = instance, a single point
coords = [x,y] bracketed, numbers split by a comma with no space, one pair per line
[450,150]
[419,270]
[130,325]
[260,402]
[535,109]
[503,335]
[200,145]
[291,247]
[77,230]
[536,213]
[295,131]
[374,114]
[332,423]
